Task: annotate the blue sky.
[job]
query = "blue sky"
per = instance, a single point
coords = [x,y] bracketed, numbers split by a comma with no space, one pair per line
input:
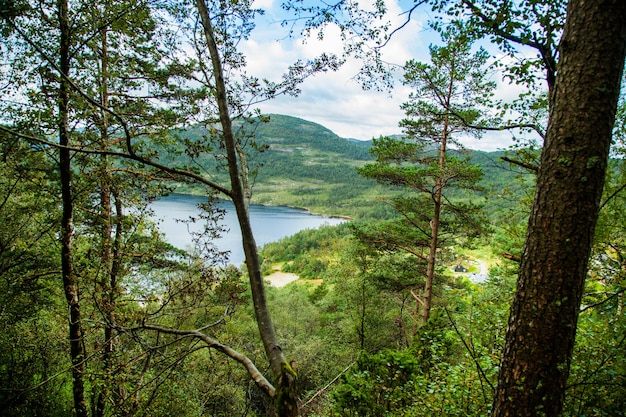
[336,100]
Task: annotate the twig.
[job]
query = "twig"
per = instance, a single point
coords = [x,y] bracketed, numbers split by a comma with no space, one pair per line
[612,196]
[615,294]
[254,373]
[512,257]
[406,22]
[470,351]
[328,385]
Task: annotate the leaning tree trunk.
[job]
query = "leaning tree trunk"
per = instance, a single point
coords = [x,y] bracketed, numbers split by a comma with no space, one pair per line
[285,398]
[553,267]
[69,280]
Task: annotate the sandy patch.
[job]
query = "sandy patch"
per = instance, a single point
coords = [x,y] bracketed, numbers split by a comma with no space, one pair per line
[280,279]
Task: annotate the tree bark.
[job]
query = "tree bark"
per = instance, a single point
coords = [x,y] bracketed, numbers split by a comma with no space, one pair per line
[285,396]
[553,267]
[438,195]
[67,229]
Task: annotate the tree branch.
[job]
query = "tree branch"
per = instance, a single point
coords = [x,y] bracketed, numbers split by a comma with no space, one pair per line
[406,22]
[254,373]
[132,156]
[547,57]
[417,297]
[470,351]
[612,196]
[511,257]
[127,135]
[537,129]
[310,400]
[528,166]
[610,297]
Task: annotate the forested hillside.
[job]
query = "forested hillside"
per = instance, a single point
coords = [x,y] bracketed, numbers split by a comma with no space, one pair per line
[465,283]
[303,164]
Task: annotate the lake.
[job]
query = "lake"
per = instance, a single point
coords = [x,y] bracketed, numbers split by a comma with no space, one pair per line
[269,223]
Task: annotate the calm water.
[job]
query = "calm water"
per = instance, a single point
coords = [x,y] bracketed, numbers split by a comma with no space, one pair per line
[268,223]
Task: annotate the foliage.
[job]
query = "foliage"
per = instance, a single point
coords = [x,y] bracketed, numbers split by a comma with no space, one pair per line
[301,164]
[302,168]
[598,374]
[354,303]
[32,348]
[510,24]
[379,384]
[309,252]
[598,369]
[412,381]
[448,98]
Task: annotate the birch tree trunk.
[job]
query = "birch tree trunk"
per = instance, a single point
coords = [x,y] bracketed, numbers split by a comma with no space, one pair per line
[285,397]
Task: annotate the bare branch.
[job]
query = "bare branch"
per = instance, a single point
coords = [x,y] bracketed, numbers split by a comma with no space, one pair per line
[417,297]
[471,352]
[536,128]
[406,22]
[132,156]
[310,400]
[610,297]
[254,373]
[612,196]
[511,257]
[529,166]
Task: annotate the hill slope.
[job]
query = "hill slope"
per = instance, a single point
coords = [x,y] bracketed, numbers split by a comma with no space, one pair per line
[307,165]
[287,133]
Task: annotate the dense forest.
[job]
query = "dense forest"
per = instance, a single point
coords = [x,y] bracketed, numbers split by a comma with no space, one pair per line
[466,283]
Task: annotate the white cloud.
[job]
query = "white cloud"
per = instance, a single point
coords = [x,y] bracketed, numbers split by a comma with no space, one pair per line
[335,99]
[263,4]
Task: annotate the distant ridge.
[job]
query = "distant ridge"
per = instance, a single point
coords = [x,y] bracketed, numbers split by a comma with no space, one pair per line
[367,143]
[304,164]
[285,131]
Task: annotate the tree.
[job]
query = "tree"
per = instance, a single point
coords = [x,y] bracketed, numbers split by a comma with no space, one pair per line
[34,329]
[76,52]
[132,138]
[70,285]
[542,325]
[446,99]
[580,52]
[286,400]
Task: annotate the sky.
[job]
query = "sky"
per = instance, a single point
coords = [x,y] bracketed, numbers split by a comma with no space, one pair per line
[335,99]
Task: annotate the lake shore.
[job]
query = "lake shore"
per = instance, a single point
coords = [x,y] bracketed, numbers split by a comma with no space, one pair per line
[269,223]
[305,209]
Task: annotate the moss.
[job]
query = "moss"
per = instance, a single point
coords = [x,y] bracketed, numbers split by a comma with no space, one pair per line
[564,161]
[593,162]
[286,401]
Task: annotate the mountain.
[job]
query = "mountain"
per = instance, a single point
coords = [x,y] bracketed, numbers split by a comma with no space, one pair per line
[291,133]
[304,164]
[307,165]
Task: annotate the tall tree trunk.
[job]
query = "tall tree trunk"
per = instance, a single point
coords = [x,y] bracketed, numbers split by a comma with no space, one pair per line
[105,236]
[435,221]
[286,400]
[103,292]
[553,268]
[69,280]
[434,244]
